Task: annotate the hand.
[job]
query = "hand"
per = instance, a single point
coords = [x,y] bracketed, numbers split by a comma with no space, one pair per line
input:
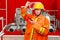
[27,4]
[32,21]
[22,6]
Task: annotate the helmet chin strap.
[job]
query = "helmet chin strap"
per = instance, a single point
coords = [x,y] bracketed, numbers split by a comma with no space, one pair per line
[38,14]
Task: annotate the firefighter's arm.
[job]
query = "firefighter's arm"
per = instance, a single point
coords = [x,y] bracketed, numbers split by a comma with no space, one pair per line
[46,27]
[24,14]
[24,8]
[43,30]
[24,11]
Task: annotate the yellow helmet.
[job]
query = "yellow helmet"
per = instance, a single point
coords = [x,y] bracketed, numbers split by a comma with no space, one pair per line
[38,5]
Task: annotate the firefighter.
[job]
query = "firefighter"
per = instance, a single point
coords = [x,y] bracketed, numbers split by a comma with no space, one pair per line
[37,24]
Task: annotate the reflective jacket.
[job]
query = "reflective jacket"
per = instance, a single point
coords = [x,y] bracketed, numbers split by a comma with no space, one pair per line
[38,30]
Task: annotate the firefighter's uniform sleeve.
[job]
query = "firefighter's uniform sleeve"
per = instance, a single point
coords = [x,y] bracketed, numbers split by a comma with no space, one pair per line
[43,30]
[46,27]
[24,14]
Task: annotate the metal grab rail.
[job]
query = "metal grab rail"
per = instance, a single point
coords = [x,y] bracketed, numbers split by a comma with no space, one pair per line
[2,32]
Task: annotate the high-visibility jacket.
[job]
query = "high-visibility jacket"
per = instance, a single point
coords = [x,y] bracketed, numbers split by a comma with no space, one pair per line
[38,30]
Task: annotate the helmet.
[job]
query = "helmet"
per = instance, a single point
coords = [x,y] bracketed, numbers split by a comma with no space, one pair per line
[38,5]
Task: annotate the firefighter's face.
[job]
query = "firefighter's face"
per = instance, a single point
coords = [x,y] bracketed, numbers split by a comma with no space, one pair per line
[37,12]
